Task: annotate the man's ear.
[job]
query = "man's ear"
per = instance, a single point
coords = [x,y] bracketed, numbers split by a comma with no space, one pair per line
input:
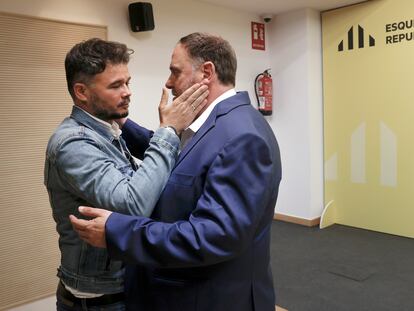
[209,71]
[81,92]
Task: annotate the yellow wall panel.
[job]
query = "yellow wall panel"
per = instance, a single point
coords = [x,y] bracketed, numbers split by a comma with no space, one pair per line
[369,114]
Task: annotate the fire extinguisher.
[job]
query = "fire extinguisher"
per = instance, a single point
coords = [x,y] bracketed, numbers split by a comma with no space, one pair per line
[264,92]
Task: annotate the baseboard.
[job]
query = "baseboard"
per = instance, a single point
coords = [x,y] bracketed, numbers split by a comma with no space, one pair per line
[297,220]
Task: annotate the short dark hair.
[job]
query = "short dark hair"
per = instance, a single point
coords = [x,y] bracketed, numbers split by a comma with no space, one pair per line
[203,47]
[90,57]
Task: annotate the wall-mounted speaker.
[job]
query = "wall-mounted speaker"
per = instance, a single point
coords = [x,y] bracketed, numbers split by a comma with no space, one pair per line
[140,16]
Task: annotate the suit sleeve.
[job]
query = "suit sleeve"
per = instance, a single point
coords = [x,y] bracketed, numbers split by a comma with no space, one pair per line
[137,138]
[220,227]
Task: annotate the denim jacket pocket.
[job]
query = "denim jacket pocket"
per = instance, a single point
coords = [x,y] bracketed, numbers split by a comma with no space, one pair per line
[125,169]
[93,260]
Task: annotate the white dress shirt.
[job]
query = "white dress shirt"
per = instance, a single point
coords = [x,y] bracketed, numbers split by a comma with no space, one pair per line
[189,132]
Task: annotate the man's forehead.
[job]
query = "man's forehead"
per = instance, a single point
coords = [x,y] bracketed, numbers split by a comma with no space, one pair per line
[180,52]
[113,73]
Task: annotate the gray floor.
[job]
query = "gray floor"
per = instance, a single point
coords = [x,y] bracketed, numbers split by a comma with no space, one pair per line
[341,268]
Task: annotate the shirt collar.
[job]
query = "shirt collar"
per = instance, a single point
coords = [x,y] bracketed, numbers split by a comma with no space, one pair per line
[113,127]
[196,125]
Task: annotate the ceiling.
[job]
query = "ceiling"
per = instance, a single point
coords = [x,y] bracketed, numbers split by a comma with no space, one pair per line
[279,6]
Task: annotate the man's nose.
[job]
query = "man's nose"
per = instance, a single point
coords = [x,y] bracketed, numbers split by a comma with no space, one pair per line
[169,84]
[126,91]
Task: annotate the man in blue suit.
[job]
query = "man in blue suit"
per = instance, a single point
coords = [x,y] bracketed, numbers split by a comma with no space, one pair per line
[207,244]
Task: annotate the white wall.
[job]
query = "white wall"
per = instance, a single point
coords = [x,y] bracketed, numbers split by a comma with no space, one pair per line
[149,66]
[173,19]
[295,47]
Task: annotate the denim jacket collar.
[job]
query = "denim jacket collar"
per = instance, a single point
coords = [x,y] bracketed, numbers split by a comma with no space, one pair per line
[82,117]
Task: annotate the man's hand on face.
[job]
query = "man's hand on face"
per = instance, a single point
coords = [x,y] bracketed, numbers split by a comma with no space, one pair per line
[91,231]
[183,110]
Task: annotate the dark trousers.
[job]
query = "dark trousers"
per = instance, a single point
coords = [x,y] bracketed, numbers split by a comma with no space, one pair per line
[66,301]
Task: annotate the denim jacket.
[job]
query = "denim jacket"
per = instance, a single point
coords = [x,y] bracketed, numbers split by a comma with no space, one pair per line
[85,167]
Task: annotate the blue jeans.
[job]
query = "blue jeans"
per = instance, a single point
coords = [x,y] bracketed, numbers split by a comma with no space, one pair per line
[65,301]
[62,306]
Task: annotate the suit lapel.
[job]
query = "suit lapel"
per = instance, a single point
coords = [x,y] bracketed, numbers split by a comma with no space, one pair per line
[240,99]
[209,124]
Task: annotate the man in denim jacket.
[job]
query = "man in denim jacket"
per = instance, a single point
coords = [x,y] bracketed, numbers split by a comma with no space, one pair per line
[88,163]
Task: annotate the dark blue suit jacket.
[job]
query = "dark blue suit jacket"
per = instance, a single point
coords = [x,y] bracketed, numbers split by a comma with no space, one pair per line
[207,246]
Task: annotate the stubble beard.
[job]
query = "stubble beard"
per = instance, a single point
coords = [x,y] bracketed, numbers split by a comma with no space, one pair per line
[190,83]
[104,114]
